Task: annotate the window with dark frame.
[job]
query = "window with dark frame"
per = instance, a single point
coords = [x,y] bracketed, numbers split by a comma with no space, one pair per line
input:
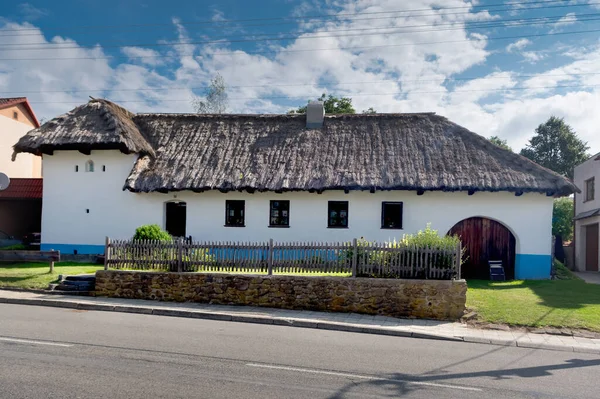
[337,212]
[589,189]
[391,215]
[234,213]
[16,115]
[279,214]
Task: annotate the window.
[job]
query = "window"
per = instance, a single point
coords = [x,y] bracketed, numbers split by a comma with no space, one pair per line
[76,168]
[16,115]
[104,168]
[279,214]
[391,215]
[589,189]
[89,166]
[338,214]
[234,213]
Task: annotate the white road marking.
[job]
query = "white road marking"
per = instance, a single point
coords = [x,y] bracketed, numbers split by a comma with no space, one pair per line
[27,341]
[362,377]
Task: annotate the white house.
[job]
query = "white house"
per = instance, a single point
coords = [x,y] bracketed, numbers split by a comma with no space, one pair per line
[291,178]
[587,215]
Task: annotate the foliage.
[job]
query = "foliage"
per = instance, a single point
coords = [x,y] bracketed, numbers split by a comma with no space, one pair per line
[16,247]
[556,146]
[215,101]
[562,218]
[500,143]
[562,273]
[410,256]
[371,110]
[332,105]
[536,303]
[151,232]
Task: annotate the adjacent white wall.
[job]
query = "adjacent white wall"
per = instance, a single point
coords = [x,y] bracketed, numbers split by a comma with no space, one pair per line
[116,213]
[24,165]
[583,172]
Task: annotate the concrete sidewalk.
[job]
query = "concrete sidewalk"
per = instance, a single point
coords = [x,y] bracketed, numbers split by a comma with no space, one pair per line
[429,329]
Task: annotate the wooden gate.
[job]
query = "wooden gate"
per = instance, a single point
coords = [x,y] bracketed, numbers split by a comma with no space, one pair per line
[484,240]
[591,248]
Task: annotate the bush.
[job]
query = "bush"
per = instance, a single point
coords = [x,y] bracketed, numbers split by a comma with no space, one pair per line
[151,232]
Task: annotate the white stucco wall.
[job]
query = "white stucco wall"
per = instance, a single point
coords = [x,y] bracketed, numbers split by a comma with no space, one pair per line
[117,213]
[24,165]
[583,172]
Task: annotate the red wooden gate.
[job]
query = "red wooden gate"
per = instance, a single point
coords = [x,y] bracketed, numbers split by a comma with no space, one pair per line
[483,240]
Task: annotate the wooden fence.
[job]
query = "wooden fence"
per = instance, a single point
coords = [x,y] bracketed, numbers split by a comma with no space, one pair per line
[356,259]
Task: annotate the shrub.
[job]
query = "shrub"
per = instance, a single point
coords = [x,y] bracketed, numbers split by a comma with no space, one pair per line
[151,232]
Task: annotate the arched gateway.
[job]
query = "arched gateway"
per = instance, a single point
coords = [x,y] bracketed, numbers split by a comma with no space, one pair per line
[485,239]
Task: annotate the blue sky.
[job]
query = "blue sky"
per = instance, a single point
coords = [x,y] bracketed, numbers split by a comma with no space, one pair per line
[496,67]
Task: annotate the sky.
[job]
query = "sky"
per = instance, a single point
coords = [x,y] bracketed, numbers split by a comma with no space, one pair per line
[495,67]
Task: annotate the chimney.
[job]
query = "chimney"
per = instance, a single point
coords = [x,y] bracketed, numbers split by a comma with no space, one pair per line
[315,114]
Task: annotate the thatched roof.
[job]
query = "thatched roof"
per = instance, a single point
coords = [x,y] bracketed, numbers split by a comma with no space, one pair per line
[278,153]
[99,124]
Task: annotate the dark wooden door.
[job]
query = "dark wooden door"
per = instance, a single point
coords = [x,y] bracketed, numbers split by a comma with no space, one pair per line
[176,217]
[591,248]
[484,240]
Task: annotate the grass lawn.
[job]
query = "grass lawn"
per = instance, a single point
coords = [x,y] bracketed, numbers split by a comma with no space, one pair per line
[557,303]
[37,275]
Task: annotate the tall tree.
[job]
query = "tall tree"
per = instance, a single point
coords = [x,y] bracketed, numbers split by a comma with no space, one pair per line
[562,218]
[215,100]
[500,143]
[332,105]
[556,146]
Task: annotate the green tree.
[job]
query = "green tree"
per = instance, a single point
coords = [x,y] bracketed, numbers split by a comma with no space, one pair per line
[332,105]
[371,110]
[500,143]
[562,218]
[556,146]
[215,100]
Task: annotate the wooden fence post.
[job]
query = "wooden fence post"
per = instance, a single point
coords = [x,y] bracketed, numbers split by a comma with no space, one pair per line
[270,258]
[458,260]
[106,252]
[354,257]
[179,255]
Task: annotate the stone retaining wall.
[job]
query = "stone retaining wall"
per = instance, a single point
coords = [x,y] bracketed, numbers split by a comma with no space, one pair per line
[400,298]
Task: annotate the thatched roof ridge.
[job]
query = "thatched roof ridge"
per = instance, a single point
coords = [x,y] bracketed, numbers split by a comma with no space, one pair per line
[350,152]
[99,124]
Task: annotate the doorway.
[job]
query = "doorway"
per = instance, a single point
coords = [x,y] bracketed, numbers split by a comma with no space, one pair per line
[484,240]
[591,248]
[175,218]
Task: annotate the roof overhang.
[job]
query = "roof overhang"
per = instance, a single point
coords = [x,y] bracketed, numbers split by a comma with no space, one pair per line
[588,214]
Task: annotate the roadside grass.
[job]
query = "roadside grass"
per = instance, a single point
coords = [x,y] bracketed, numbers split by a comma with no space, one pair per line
[37,275]
[568,303]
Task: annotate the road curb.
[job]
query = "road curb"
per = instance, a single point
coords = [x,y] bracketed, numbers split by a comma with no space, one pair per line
[290,322]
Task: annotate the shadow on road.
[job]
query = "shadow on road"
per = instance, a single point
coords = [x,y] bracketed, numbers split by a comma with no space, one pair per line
[398,384]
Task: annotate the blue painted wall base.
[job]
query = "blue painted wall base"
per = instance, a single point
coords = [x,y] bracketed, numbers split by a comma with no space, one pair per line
[81,249]
[532,267]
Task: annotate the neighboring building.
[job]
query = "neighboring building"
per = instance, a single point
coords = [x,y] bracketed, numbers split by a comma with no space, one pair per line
[587,215]
[20,208]
[21,202]
[291,178]
[16,119]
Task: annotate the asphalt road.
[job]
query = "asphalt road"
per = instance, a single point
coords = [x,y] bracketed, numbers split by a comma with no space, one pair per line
[63,353]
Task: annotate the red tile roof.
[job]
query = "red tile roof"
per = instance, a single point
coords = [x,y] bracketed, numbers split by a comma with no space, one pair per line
[23,189]
[9,102]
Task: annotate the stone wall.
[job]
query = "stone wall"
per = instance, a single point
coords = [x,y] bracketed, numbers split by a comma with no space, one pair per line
[400,298]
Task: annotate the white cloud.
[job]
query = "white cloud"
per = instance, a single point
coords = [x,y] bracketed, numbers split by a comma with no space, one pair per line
[143,55]
[568,19]
[518,45]
[30,12]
